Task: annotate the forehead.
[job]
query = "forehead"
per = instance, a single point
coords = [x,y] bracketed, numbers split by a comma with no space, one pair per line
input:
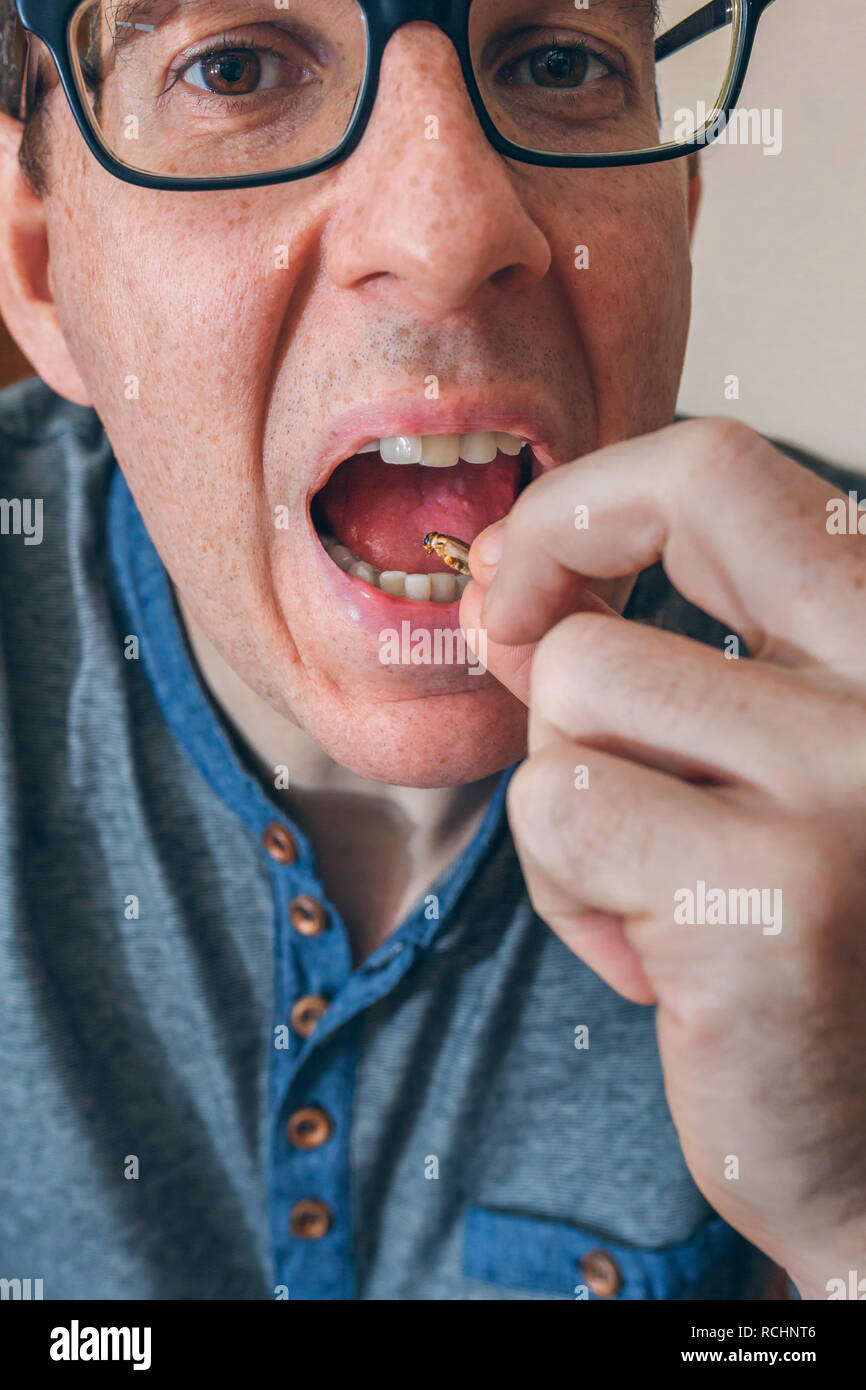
[121,15]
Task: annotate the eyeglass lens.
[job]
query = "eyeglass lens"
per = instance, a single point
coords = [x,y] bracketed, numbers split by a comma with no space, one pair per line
[211,88]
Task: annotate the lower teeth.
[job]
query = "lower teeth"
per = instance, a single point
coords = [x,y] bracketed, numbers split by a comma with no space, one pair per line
[441,588]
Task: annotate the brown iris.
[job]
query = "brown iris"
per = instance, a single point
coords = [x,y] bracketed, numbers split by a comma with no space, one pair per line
[231,73]
[558,67]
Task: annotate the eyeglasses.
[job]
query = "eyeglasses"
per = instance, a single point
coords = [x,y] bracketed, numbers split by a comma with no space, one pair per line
[207,94]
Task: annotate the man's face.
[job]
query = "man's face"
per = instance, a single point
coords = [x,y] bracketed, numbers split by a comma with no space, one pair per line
[417,266]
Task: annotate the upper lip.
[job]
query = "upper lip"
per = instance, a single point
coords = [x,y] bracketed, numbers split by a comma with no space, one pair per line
[464,414]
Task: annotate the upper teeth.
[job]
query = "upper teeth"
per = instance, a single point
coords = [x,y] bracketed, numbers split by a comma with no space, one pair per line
[443,450]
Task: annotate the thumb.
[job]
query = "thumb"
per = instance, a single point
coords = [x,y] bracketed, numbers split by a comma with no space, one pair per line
[511,666]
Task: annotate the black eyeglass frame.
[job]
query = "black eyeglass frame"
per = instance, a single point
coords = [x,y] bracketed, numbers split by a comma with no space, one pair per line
[49,21]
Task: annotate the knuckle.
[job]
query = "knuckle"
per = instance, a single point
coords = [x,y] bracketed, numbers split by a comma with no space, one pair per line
[812,862]
[522,792]
[574,665]
[538,797]
[718,447]
[842,715]
[583,640]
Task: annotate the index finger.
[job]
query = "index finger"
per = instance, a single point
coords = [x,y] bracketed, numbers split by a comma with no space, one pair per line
[741,529]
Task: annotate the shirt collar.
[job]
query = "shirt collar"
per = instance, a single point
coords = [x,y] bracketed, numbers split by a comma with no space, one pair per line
[199,727]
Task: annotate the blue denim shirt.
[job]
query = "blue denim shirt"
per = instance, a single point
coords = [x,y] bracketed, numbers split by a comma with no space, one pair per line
[462,1144]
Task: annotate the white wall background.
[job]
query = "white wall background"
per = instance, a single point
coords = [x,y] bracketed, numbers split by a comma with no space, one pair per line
[780,248]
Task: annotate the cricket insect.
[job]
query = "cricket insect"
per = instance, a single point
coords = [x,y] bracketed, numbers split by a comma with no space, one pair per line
[453,552]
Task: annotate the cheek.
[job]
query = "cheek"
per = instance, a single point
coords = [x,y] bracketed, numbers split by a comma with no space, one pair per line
[621,248]
[173,306]
[175,292]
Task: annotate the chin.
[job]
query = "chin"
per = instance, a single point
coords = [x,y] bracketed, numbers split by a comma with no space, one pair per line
[435,741]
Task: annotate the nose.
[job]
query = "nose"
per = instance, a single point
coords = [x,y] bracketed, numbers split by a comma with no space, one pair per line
[427,209]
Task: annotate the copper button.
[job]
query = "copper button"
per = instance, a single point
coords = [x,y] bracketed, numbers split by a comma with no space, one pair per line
[602,1273]
[306,1013]
[280,843]
[307,916]
[309,1128]
[310,1219]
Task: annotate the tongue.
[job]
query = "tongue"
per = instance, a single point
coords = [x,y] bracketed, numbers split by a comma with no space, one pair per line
[383,511]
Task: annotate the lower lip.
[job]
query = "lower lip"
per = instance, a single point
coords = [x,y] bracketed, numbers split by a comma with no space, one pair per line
[373,609]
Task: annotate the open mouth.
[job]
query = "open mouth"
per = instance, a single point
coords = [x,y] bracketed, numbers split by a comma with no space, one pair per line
[376,508]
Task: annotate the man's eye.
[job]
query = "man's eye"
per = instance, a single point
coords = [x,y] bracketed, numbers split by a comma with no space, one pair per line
[242,71]
[560,66]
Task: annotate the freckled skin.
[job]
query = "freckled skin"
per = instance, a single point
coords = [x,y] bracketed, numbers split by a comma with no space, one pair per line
[469,277]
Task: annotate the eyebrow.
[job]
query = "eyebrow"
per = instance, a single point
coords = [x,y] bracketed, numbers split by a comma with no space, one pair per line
[125,13]
[125,26]
[653,7]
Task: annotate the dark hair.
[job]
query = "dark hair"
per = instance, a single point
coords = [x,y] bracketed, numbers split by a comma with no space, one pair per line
[8,67]
[33,152]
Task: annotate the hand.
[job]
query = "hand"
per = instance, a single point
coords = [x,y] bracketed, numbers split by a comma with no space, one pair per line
[740,774]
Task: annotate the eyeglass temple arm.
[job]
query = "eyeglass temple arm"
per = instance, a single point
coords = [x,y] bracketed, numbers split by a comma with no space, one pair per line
[704,21]
[28,67]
